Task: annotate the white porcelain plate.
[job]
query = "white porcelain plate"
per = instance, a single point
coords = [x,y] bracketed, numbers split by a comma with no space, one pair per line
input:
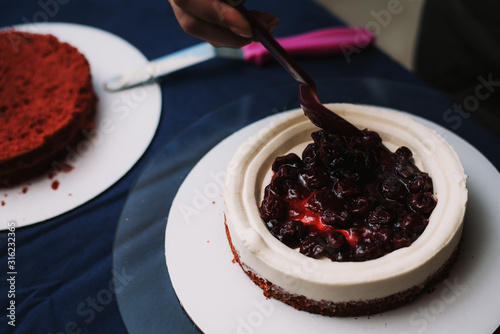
[221,299]
[125,125]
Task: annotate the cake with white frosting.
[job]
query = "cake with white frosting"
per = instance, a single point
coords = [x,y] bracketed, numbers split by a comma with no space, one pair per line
[312,244]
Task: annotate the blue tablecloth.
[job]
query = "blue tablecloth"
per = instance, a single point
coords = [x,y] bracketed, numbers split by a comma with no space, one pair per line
[65,276]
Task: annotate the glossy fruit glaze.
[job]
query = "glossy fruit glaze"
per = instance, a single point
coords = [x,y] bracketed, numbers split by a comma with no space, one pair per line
[349,199]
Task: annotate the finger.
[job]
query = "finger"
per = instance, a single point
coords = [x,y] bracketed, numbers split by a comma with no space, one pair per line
[212,33]
[217,13]
[214,30]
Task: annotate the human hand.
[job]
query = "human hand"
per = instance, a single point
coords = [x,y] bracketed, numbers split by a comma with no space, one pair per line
[217,22]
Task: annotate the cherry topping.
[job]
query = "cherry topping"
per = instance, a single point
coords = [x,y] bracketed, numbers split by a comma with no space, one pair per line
[423,202]
[384,235]
[402,239]
[403,154]
[346,188]
[361,205]
[421,182]
[290,159]
[392,188]
[313,245]
[414,222]
[315,176]
[348,200]
[310,154]
[291,233]
[370,139]
[368,248]
[273,208]
[340,220]
[377,218]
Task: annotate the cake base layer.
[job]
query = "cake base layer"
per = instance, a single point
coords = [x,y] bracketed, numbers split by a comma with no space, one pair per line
[49,100]
[347,308]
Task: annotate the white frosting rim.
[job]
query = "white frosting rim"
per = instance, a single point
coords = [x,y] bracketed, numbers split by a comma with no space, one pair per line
[323,279]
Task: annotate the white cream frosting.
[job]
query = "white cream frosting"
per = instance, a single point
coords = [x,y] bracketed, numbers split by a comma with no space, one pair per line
[322,279]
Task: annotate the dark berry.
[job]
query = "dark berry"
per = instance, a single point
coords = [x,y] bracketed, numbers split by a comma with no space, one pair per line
[378,217]
[321,136]
[402,239]
[322,201]
[331,155]
[335,241]
[369,140]
[396,209]
[337,247]
[403,154]
[414,223]
[384,235]
[283,179]
[361,205]
[393,189]
[405,169]
[291,159]
[314,176]
[274,227]
[423,202]
[366,232]
[273,208]
[346,188]
[310,154]
[268,191]
[342,255]
[292,232]
[355,233]
[421,182]
[296,191]
[368,249]
[349,174]
[340,220]
[285,172]
[357,161]
[313,245]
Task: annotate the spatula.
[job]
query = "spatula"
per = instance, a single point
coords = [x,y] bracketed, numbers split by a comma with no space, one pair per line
[313,108]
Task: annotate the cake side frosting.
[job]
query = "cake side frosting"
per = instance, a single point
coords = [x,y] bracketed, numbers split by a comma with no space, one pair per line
[321,278]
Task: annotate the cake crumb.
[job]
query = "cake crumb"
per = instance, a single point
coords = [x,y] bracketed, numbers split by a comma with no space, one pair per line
[25,190]
[55,184]
[3,203]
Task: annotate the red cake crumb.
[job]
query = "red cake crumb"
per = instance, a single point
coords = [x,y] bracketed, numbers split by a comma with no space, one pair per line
[46,100]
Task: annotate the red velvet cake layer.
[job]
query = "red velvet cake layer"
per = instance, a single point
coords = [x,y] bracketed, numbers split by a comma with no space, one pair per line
[47,99]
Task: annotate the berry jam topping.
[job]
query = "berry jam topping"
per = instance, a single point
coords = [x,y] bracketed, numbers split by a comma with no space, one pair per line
[349,199]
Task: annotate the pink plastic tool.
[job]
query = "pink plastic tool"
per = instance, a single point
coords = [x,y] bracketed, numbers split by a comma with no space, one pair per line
[323,42]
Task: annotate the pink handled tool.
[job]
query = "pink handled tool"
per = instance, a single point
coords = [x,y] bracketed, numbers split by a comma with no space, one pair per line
[323,42]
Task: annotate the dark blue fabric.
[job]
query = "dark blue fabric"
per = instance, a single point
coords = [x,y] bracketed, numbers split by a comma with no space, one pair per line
[65,281]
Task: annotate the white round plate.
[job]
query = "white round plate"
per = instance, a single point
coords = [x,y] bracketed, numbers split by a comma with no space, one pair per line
[125,125]
[221,299]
